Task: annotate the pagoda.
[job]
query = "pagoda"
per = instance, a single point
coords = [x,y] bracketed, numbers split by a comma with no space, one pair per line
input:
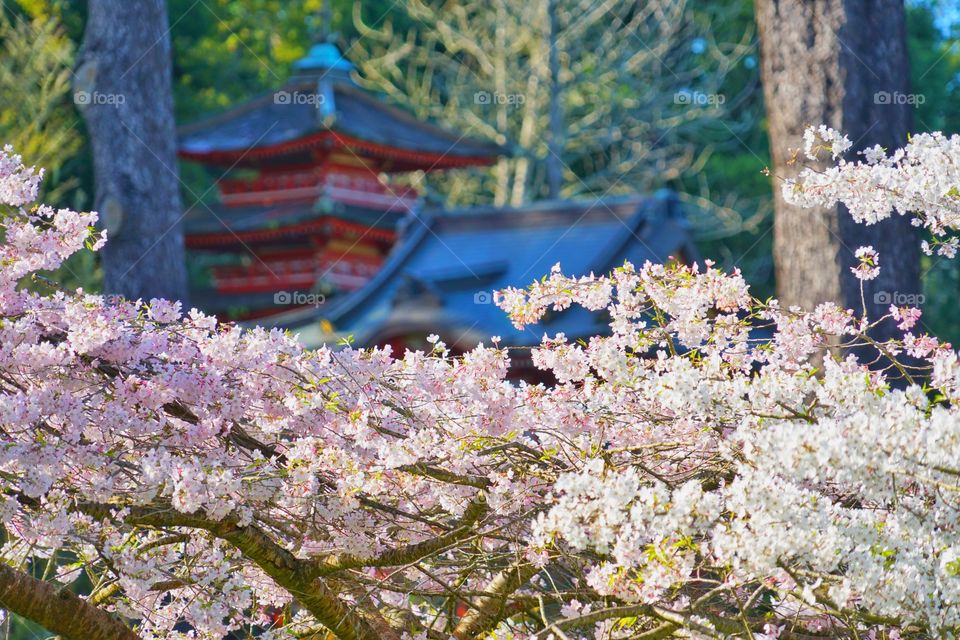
[309,201]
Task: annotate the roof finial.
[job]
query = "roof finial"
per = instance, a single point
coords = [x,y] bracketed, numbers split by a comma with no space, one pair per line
[320,24]
[324,56]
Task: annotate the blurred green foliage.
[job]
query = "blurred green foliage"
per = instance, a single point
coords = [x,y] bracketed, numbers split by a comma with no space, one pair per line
[226,51]
[37,115]
[735,173]
[35,76]
[935,75]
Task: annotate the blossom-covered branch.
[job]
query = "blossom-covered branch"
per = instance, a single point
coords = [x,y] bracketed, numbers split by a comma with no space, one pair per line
[921,180]
[707,467]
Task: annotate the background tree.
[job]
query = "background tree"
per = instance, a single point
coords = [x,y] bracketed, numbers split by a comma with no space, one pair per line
[123,89]
[843,63]
[610,94]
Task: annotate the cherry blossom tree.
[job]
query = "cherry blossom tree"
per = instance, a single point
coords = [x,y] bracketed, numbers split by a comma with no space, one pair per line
[691,474]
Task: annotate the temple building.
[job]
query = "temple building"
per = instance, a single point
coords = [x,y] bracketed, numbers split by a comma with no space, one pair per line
[309,200]
[316,231]
[441,276]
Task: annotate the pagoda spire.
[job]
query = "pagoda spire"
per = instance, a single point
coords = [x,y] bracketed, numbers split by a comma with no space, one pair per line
[320,25]
[324,58]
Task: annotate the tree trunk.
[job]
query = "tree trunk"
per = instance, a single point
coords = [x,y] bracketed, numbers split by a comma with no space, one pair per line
[124,92]
[842,63]
[556,126]
[57,609]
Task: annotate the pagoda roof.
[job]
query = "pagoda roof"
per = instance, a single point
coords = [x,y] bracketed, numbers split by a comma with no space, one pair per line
[223,304]
[317,112]
[443,270]
[216,225]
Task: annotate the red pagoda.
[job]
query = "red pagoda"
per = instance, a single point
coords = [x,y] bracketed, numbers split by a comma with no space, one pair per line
[308,202]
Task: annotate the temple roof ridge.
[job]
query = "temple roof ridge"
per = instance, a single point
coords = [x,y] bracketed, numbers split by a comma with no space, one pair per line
[311,111]
[467,254]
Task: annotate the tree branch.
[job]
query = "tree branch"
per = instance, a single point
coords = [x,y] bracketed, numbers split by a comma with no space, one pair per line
[57,609]
[411,552]
[299,577]
[488,611]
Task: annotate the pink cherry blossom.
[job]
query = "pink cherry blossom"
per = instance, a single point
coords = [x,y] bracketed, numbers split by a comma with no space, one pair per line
[906,316]
[869,268]
[712,465]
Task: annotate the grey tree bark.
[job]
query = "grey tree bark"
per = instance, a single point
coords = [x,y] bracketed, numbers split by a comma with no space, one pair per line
[842,63]
[124,91]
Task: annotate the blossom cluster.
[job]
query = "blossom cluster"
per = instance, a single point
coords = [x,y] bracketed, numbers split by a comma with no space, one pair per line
[713,465]
[921,180]
[19,184]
